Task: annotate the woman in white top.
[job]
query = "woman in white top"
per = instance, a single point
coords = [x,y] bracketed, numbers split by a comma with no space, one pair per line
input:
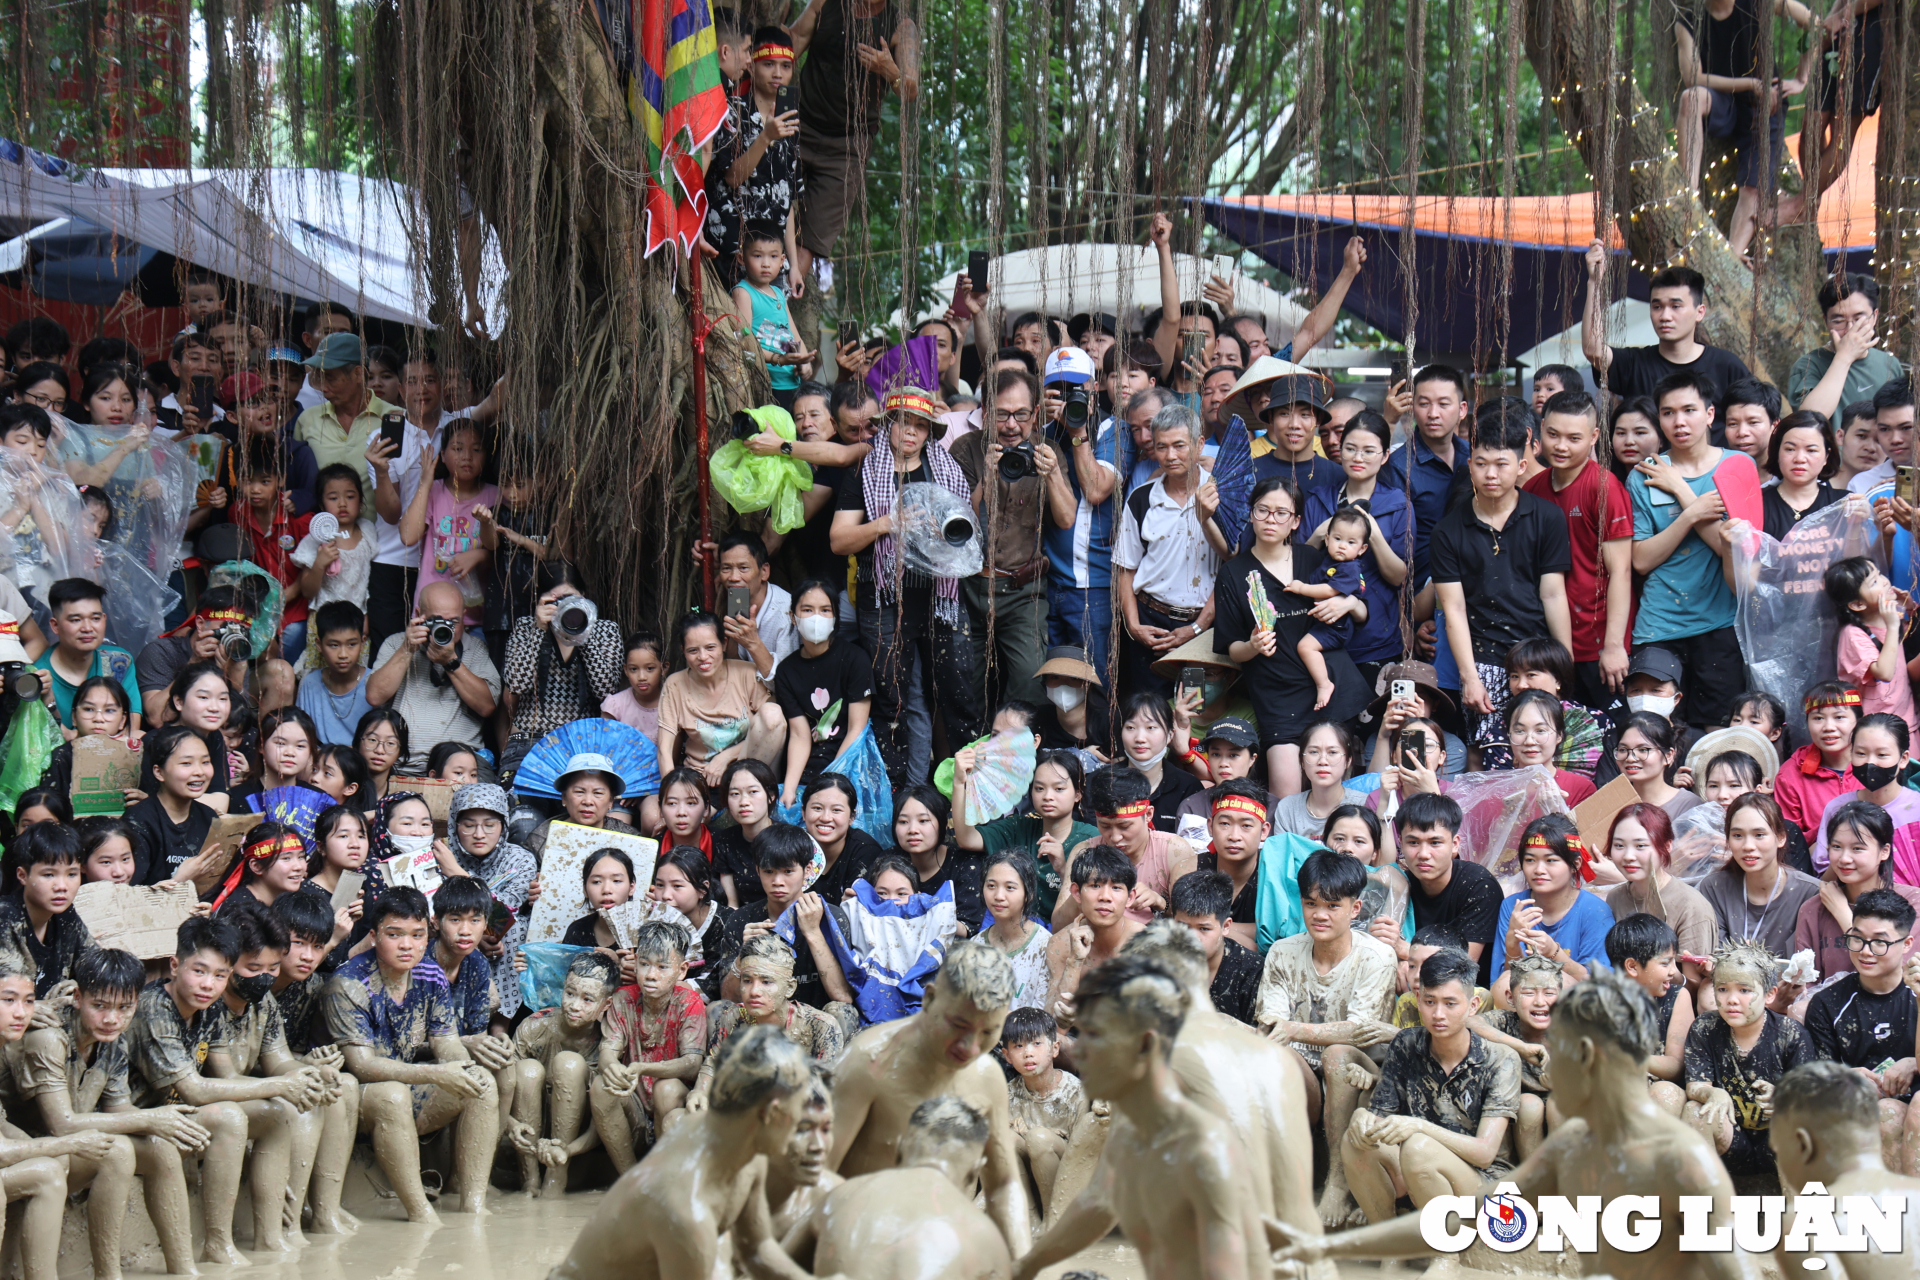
[1008,887]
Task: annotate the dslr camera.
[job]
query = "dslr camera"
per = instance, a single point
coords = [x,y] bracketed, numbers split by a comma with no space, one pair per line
[20,680]
[574,616]
[235,640]
[1076,409]
[440,632]
[1016,464]
[744,427]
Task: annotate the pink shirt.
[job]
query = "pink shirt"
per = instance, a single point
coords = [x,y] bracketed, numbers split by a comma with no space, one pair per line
[626,708]
[452,529]
[1804,786]
[1858,650]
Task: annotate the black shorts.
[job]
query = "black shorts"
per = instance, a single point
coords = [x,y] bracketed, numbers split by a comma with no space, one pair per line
[1858,74]
[1731,119]
[1713,676]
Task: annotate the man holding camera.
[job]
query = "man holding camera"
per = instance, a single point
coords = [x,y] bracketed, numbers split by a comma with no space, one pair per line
[438,677]
[220,628]
[1015,479]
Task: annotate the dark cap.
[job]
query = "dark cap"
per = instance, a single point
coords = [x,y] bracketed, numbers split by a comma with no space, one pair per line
[1232,729]
[1654,661]
[1079,325]
[1297,388]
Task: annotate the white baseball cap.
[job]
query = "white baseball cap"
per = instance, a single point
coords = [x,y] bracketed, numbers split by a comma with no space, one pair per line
[11,650]
[1068,364]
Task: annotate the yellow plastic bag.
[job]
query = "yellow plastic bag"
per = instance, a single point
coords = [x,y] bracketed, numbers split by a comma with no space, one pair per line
[774,483]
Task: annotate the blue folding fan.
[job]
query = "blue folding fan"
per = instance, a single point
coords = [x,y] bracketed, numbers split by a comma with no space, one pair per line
[1233,477]
[627,747]
[297,807]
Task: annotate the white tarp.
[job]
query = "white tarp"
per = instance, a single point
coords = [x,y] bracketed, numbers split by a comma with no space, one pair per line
[311,233]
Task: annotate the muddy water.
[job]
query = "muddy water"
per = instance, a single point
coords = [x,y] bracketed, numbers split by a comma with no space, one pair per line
[519,1240]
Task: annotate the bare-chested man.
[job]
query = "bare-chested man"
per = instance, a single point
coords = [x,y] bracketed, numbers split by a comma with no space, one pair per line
[1826,1129]
[917,1221]
[1174,1177]
[798,1178]
[1615,1142]
[890,1069]
[664,1218]
[1102,881]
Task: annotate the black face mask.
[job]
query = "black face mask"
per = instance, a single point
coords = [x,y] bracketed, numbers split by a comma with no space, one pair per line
[253,990]
[1875,776]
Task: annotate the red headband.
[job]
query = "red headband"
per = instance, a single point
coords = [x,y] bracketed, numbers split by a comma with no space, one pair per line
[1575,846]
[1814,701]
[257,857]
[771,52]
[1138,808]
[1240,804]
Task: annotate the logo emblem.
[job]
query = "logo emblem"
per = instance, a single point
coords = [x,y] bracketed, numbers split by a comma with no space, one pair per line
[1507,1222]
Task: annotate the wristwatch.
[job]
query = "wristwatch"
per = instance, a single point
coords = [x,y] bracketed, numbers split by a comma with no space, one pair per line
[786,447]
[451,665]
[1079,440]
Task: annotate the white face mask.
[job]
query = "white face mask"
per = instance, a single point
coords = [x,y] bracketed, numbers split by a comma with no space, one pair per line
[814,628]
[1652,702]
[412,844]
[1066,696]
[1151,762]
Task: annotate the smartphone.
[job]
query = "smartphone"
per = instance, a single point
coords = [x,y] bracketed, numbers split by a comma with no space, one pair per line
[1904,483]
[783,100]
[739,602]
[1413,747]
[393,427]
[1400,691]
[1193,346]
[202,396]
[1193,677]
[977,263]
[1224,266]
[848,332]
[1398,373]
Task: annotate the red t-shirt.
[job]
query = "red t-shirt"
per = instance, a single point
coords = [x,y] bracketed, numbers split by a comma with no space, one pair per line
[273,550]
[1582,501]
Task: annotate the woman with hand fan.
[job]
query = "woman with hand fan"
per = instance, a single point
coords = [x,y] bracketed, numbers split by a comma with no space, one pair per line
[589,788]
[714,710]
[1044,835]
[288,739]
[609,882]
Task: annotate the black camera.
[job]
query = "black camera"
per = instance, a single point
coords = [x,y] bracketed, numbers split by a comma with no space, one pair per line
[1016,464]
[440,632]
[22,681]
[744,427]
[1077,409]
[235,640]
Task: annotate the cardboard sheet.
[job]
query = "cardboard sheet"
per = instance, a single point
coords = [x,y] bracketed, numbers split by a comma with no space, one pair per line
[143,919]
[563,896]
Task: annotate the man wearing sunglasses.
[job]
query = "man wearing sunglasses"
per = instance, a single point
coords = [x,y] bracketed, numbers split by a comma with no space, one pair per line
[1866,1020]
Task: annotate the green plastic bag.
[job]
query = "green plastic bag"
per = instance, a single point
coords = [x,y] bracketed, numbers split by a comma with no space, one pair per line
[775,483]
[30,743]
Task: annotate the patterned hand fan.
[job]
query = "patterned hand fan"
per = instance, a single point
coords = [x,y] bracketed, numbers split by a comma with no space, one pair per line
[627,747]
[1002,772]
[296,806]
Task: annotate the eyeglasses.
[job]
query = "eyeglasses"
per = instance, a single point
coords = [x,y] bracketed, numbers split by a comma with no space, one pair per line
[485,822]
[1624,752]
[53,404]
[1021,416]
[1872,946]
[1362,453]
[1271,513]
[1538,733]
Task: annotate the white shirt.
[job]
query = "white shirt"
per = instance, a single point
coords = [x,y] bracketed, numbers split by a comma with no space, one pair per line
[1872,478]
[173,402]
[404,470]
[309,395]
[1163,543]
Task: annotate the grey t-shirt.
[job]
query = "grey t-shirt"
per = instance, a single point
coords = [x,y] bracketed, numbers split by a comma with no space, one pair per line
[433,711]
[1771,925]
[1292,816]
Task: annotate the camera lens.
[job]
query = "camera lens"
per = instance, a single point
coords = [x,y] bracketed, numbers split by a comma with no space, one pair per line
[25,685]
[1016,464]
[440,633]
[958,531]
[1075,413]
[574,620]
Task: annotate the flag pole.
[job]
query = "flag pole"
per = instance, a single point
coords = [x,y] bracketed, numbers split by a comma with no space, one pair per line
[701,327]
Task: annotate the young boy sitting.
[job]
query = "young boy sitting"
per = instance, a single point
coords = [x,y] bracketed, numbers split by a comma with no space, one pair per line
[335,693]
[661,1025]
[1867,1019]
[1324,994]
[1535,987]
[764,971]
[459,921]
[1101,880]
[1203,902]
[1439,1117]
[1347,535]
[559,1049]
[34,1168]
[313,930]
[1432,938]
[257,1047]
[1046,1102]
[401,1036]
[179,1045]
[1644,949]
[38,921]
[1734,1055]
[77,1071]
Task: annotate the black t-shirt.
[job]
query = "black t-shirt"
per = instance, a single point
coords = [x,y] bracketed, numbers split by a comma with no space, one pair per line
[1635,371]
[1176,785]
[810,542]
[1857,1028]
[1099,726]
[1236,988]
[580,933]
[733,856]
[1728,46]
[1780,517]
[967,873]
[1281,689]
[856,858]
[853,497]
[1470,903]
[806,687]
[1244,901]
[1499,571]
[163,845]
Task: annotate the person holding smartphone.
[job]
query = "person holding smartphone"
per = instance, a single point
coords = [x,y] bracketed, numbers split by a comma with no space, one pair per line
[755,173]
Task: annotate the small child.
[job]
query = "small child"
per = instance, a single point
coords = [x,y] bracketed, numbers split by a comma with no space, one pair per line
[660,1025]
[99,508]
[1644,948]
[517,532]
[560,1049]
[1429,939]
[1045,1102]
[334,692]
[338,568]
[761,305]
[1761,712]
[638,705]
[1869,655]
[1347,534]
[441,519]
[1535,983]
[264,514]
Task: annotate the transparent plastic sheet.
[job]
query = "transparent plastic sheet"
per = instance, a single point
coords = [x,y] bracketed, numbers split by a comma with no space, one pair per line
[1385,895]
[774,483]
[862,765]
[31,740]
[137,601]
[49,526]
[1002,774]
[1497,807]
[1699,843]
[152,489]
[1786,625]
[545,977]
[256,584]
[929,518]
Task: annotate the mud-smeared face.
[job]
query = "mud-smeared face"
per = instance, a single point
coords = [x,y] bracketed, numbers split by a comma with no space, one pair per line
[805,1156]
[583,1000]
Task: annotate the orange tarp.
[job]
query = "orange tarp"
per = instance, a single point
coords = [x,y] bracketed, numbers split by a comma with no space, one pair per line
[1846,210]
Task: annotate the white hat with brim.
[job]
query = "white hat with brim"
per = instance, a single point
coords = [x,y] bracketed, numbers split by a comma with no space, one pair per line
[1739,737]
[591,762]
[11,650]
